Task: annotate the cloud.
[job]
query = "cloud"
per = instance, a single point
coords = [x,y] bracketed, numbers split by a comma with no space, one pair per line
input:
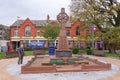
[34,9]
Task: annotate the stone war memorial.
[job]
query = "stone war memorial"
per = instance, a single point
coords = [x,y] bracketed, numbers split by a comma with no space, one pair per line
[63,50]
[63,60]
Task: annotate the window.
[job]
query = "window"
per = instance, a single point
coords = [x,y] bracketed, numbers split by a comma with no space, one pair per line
[68,32]
[38,32]
[77,31]
[0,33]
[27,31]
[15,32]
[69,44]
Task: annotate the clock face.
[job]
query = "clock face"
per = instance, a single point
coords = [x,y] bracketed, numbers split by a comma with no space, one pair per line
[62,17]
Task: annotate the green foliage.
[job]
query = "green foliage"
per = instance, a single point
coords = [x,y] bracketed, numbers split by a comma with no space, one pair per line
[88,47]
[100,48]
[70,60]
[97,12]
[75,50]
[111,55]
[112,38]
[56,61]
[27,49]
[51,32]
[88,51]
[27,53]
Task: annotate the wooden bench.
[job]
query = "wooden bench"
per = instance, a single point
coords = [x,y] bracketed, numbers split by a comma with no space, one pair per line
[39,52]
[12,54]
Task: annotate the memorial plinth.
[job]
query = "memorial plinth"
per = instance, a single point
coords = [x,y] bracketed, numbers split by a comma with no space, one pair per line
[62,48]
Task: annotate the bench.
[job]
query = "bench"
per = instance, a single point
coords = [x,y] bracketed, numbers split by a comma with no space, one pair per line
[39,52]
[99,52]
[12,54]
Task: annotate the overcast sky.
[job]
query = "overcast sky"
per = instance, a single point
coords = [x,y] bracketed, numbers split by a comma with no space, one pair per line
[33,9]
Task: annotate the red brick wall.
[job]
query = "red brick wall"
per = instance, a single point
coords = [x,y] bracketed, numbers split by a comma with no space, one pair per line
[23,26]
[27,22]
[21,29]
[11,31]
[73,28]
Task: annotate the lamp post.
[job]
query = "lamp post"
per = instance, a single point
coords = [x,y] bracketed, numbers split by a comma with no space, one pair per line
[17,33]
[93,29]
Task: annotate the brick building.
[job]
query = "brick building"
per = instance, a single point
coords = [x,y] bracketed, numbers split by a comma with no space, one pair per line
[27,31]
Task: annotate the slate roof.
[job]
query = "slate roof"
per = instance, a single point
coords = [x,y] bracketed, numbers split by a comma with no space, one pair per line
[39,22]
[4,26]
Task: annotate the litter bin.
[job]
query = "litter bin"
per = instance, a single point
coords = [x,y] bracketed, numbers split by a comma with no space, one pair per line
[51,50]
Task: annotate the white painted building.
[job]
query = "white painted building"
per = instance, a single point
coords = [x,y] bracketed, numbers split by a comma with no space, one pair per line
[3,45]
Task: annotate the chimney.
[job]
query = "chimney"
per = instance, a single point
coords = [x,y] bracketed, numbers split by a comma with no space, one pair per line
[71,19]
[48,18]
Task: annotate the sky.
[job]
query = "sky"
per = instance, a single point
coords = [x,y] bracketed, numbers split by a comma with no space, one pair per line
[33,9]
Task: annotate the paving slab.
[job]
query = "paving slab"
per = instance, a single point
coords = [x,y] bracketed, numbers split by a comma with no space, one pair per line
[10,70]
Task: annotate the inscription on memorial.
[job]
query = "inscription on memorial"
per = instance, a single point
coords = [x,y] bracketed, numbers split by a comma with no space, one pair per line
[63,53]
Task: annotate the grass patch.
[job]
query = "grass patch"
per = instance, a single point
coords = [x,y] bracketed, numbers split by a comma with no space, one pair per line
[27,53]
[111,55]
[46,52]
[82,50]
[2,55]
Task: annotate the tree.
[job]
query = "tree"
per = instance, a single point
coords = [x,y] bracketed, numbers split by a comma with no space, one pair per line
[5,32]
[93,35]
[112,38]
[51,32]
[97,12]
[102,13]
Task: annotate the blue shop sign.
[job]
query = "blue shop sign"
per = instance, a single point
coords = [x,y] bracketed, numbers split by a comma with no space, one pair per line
[36,44]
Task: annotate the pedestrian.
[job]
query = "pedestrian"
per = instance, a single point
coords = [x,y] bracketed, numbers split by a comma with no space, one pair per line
[21,54]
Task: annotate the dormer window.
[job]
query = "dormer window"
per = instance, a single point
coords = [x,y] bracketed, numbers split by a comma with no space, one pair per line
[27,31]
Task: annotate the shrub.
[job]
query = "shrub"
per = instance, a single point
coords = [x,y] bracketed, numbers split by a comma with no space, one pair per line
[71,60]
[88,51]
[88,47]
[27,49]
[75,50]
[100,49]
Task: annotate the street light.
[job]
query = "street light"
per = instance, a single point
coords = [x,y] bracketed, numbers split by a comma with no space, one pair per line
[17,32]
[93,29]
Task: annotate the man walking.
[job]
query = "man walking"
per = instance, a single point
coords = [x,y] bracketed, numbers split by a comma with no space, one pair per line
[21,54]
